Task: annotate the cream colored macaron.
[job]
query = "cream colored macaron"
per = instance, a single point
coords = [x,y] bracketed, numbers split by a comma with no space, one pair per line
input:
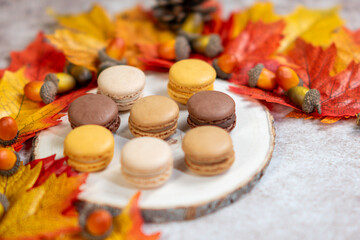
[146,162]
[124,84]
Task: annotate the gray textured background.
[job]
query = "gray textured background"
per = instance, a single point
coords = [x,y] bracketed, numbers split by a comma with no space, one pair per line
[311,189]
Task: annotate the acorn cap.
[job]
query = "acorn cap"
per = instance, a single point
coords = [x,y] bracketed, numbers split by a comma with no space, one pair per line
[219,72]
[103,57]
[254,74]
[214,46]
[182,48]
[358,119]
[4,202]
[9,142]
[311,101]
[49,89]
[86,211]
[14,169]
[105,65]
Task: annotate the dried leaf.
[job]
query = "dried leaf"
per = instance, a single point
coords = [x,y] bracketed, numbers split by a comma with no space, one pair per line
[348,50]
[38,214]
[31,117]
[260,11]
[95,23]
[300,114]
[314,26]
[79,48]
[14,186]
[39,57]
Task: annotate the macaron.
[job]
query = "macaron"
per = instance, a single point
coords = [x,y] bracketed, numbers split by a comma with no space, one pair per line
[90,148]
[146,162]
[211,108]
[124,84]
[94,109]
[208,150]
[154,116]
[187,77]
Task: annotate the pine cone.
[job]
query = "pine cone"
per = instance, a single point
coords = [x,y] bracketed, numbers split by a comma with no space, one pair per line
[172,13]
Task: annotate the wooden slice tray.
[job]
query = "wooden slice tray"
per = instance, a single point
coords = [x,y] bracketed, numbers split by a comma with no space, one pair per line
[186,195]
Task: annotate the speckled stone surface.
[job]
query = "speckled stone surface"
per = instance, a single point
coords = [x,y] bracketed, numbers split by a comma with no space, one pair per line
[311,189]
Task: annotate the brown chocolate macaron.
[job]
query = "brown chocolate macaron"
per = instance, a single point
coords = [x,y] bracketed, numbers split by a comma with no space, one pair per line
[94,109]
[211,108]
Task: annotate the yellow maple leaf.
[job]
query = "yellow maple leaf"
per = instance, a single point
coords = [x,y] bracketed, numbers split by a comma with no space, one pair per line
[347,50]
[38,213]
[314,26]
[13,186]
[79,48]
[263,11]
[95,23]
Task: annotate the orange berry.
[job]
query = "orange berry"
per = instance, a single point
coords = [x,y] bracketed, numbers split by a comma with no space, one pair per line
[167,50]
[227,63]
[262,78]
[116,48]
[32,91]
[8,128]
[7,159]
[287,78]
[267,80]
[98,222]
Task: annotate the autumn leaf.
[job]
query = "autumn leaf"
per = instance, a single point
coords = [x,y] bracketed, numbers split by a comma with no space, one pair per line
[50,166]
[314,26]
[255,45]
[348,50]
[30,116]
[301,114]
[94,23]
[260,11]
[38,214]
[15,185]
[79,48]
[39,57]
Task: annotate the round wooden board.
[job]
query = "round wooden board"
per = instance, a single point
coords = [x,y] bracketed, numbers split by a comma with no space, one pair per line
[186,195]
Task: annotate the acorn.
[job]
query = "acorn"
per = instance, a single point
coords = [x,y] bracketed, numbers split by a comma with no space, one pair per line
[107,61]
[66,82]
[261,77]
[209,45]
[49,89]
[4,205]
[178,49]
[32,90]
[358,119]
[96,221]
[192,26]
[224,65]
[307,99]
[287,78]
[8,131]
[9,162]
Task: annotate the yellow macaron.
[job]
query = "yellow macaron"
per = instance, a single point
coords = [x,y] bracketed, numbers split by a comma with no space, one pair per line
[187,77]
[90,148]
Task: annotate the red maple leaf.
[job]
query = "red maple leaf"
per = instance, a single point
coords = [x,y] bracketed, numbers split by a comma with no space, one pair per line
[39,57]
[254,45]
[340,94]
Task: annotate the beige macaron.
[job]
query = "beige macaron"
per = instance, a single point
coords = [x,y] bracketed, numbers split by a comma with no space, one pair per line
[154,116]
[124,84]
[208,150]
[146,162]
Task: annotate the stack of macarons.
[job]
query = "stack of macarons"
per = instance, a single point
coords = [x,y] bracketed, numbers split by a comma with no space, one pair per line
[187,77]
